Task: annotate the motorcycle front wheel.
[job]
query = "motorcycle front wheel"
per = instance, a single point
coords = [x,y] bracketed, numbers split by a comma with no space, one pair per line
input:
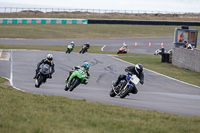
[74,83]
[39,81]
[112,93]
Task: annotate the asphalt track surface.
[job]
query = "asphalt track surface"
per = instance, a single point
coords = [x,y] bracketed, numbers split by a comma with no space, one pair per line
[158,93]
[111,44]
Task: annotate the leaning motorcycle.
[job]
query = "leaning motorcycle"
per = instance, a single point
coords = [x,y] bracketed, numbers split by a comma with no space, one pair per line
[83,50]
[125,86]
[69,49]
[77,77]
[122,51]
[42,75]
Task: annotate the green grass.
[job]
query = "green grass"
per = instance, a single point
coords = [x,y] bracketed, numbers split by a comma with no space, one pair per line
[56,31]
[22,112]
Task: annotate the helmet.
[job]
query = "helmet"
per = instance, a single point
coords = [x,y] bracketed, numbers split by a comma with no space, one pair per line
[138,68]
[86,65]
[72,42]
[50,57]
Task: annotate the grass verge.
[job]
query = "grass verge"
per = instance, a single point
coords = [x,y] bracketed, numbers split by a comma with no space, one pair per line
[55,31]
[22,112]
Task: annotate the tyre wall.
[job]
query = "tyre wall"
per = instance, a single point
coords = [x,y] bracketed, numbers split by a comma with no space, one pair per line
[42,21]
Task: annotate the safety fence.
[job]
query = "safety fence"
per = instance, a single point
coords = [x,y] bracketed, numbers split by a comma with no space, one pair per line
[42,21]
[47,10]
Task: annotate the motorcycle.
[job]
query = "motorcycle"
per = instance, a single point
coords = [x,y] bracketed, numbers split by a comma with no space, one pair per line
[69,49]
[84,49]
[122,51]
[125,86]
[78,76]
[42,75]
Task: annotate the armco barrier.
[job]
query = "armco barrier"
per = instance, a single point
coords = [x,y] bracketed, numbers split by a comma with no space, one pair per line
[142,22]
[186,58]
[42,21]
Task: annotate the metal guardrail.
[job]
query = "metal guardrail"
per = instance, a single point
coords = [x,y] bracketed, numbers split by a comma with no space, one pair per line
[45,10]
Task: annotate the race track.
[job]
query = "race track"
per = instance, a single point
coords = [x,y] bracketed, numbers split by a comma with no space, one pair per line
[158,93]
[111,44]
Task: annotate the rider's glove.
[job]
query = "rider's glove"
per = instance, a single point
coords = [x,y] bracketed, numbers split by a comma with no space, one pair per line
[142,82]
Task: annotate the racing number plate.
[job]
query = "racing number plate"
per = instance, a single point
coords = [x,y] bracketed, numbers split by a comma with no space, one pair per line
[134,79]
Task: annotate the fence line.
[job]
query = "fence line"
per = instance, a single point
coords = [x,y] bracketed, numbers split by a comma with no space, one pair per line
[45,10]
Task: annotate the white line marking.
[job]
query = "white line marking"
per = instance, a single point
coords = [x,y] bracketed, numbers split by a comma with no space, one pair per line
[11,69]
[0,52]
[11,72]
[160,74]
[103,47]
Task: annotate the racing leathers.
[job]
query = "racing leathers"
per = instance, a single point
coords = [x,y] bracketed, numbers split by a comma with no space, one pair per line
[45,61]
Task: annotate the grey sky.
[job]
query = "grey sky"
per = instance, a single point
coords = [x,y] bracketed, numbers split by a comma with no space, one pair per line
[152,5]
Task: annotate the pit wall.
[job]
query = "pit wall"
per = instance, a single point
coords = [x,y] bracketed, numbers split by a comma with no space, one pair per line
[186,58]
[42,21]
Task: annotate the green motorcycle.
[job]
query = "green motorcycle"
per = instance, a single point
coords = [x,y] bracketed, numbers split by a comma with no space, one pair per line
[69,49]
[79,76]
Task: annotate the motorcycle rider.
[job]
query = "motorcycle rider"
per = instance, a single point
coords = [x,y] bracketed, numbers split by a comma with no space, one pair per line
[48,60]
[137,70]
[86,45]
[123,49]
[86,66]
[70,45]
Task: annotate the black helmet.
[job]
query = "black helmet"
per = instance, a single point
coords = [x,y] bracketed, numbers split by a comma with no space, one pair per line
[138,68]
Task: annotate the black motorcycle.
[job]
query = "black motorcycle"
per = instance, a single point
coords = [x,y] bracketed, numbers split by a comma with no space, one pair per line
[42,75]
[84,49]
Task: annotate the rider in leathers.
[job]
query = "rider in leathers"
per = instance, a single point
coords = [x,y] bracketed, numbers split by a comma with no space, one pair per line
[86,66]
[48,60]
[137,70]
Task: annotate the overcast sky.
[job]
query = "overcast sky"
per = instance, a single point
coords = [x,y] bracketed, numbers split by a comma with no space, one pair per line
[151,5]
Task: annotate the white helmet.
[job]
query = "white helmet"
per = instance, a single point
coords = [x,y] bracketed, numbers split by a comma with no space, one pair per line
[124,44]
[50,57]
[72,42]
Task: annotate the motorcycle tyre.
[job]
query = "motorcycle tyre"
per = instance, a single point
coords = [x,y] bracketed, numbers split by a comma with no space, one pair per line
[126,92]
[66,88]
[112,93]
[40,81]
[74,84]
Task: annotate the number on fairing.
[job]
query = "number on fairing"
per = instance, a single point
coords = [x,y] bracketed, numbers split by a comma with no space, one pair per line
[134,79]
[82,72]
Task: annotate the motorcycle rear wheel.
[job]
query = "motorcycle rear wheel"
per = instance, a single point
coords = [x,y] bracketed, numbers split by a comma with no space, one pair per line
[126,92]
